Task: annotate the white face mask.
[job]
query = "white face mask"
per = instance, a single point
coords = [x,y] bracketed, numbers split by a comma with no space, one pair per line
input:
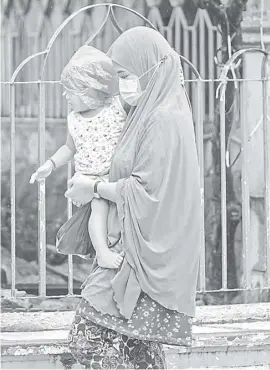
[130,88]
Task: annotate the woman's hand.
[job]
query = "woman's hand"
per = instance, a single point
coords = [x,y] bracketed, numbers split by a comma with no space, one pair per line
[42,172]
[81,189]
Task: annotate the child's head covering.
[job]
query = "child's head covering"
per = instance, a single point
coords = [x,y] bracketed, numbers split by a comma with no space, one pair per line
[90,69]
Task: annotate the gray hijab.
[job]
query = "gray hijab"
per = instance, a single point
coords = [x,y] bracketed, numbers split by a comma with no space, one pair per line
[156,169]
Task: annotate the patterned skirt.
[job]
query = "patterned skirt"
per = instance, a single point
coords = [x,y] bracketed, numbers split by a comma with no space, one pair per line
[96,347]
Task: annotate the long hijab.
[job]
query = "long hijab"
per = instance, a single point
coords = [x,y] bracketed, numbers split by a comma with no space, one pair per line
[157,174]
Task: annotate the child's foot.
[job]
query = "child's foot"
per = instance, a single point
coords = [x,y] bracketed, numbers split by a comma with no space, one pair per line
[110,260]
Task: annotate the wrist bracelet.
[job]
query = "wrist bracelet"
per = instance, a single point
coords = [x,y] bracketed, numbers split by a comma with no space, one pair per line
[96,194]
[52,161]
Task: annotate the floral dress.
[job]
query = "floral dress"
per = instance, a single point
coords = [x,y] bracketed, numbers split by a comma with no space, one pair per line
[95,138]
[103,341]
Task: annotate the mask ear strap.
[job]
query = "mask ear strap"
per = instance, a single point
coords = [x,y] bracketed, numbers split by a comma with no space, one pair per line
[149,70]
[155,66]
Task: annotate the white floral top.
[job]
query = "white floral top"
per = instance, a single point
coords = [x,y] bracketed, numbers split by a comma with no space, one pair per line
[95,138]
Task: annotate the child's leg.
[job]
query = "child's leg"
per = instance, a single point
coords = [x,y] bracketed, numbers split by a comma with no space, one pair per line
[98,222]
[98,234]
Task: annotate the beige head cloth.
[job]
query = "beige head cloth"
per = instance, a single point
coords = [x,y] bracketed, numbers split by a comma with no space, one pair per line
[90,69]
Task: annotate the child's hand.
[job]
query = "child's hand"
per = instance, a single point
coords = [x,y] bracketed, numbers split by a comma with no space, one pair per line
[42,172]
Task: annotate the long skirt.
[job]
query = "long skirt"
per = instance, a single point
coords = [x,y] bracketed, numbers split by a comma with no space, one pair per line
[96,347]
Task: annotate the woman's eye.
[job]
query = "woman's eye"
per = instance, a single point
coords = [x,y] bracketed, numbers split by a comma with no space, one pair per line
[123,75]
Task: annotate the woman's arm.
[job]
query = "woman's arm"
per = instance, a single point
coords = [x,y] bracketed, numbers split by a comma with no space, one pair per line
[82,189]
[107,190]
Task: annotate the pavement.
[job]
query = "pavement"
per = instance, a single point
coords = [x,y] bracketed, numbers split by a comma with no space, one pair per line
[223,331]
[225,337]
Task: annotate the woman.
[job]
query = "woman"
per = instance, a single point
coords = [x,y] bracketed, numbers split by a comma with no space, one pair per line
[154,195]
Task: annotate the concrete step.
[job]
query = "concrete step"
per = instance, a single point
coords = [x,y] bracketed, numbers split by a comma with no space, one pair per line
[225,337]
[56,320]
[228,346]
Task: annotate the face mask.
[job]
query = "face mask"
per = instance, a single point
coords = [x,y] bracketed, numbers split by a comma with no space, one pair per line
[130,88]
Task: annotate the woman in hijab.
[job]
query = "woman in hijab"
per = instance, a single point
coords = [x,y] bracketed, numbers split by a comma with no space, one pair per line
[126,314]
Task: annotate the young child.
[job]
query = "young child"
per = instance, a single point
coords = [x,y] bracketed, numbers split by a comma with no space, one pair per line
[94,126]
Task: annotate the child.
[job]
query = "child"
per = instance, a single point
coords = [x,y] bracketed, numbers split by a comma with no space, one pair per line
[94,126]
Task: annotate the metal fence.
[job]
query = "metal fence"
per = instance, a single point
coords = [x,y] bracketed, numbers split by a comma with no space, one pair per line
[197,87]
[25,31]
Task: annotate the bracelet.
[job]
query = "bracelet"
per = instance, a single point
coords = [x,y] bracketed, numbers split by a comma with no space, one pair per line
[52,161]
[96,194]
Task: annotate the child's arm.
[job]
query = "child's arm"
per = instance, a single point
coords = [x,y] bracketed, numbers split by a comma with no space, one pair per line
[65,153]
[62,156]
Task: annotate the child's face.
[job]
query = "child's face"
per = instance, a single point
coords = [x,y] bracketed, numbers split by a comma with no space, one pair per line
[76,103]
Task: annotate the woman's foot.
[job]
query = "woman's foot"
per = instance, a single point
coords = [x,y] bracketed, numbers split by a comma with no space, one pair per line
[109,259]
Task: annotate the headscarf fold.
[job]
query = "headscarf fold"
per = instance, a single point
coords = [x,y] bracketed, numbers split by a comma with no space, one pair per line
[156,169]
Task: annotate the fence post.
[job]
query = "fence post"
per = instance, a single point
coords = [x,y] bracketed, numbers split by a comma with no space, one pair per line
[13,187]
[41,194]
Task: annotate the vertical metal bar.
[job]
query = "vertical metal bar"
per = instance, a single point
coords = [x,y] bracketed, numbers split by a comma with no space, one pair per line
[223,192]
[52,86]
[200,148]
[266,131]
[186,54]
[35,72]
[13,188]
[2,114]
[169,36]
[177,30]
[65,52]
[70,257]
[201,30]
[211,97]
[195,62]
[58,106]
[218,46]
[41,194]
[245,189]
